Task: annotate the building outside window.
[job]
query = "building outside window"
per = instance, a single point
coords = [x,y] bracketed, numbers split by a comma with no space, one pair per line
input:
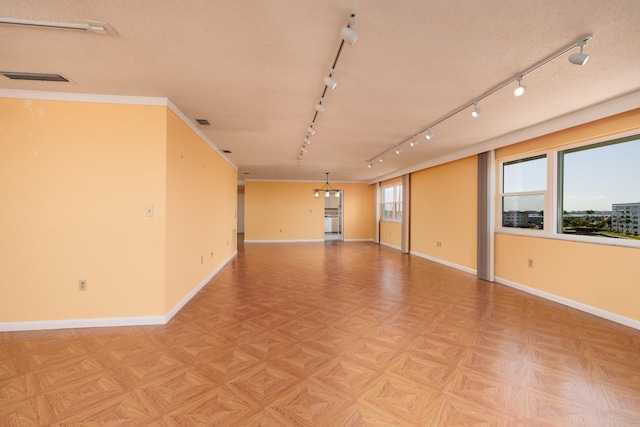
[392,203]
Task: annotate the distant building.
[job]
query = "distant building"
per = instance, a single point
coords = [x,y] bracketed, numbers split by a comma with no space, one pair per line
[625,218]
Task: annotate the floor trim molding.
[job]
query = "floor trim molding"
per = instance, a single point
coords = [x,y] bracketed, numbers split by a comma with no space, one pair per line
[447,263]
[286,241]
[627,321]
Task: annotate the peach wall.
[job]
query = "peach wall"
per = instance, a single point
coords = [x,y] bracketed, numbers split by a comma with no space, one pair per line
[75,179]
[604,277]
[444,204]
[201,210]
[288,211]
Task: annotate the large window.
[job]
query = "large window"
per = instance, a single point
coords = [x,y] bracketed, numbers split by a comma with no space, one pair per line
[589,192]
[524,184]
[392,203]
[599,189]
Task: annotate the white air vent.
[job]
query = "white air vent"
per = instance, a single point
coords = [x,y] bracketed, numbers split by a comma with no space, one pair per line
[34,76]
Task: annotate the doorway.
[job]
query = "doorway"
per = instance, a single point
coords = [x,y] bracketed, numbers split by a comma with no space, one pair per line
[333,216]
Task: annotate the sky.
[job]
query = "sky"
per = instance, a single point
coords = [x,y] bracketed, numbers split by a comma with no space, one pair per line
[593,179]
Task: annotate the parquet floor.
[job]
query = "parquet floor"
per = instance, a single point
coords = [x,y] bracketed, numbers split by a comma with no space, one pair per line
[334,334]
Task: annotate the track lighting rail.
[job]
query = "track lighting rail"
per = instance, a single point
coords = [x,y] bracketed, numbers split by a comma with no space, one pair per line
[580,42]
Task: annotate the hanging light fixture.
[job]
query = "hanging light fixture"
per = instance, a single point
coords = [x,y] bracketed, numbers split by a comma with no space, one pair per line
[348,33]
[329,81]
[327,189]
[519,91]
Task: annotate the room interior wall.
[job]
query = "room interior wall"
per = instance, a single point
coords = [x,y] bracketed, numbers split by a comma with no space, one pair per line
[201,211]
[76,178]
[287,211]
[443,208]
[601,276]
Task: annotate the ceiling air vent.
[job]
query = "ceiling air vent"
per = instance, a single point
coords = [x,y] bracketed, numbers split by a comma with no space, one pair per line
[203,122]
[34,76]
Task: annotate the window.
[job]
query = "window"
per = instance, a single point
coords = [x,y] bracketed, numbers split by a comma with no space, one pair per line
[524,184]
[587,192]
[392,203]
[598,192]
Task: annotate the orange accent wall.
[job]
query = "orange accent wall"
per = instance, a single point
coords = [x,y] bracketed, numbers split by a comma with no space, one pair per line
[598,275]
[75,180]
[201,210]
[288,211]
[444,204]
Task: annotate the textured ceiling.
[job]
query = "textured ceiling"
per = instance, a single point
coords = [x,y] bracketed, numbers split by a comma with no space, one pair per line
[255,70]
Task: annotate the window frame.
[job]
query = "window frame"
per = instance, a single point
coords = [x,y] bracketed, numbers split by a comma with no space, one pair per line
[552,202]
[396,204]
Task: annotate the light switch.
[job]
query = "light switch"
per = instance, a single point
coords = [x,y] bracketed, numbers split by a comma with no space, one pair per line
[149,210]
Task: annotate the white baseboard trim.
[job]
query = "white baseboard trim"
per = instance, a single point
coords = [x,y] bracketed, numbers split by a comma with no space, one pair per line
[627,321]
[447,263]
[197,289]
[40,325]
[358,240]
[286,241]
[391,246]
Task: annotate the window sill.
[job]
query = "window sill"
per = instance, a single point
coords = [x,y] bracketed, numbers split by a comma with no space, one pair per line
[540,234]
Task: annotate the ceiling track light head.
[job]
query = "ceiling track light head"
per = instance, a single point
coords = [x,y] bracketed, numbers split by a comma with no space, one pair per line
[381,160]
[307,141]
[311,131]
[414,143]
[476,111]
[398,150]
[520,90]
[330,82]
[428,135]
[369,164]
[579,58]
[320,108]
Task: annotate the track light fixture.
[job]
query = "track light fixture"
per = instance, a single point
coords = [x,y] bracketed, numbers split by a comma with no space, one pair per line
[576,58]
[348,33]
[91,26]
[579,58]
[476,111]
[428,135]
[519,91]
[381,159]
[398,150]
[307,141]
[414,143]
[369,165]
[349,36]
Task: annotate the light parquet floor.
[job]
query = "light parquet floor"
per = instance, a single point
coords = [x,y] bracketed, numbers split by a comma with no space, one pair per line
[334,334]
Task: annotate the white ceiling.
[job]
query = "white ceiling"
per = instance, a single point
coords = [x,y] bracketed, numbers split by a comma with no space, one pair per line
[255,70]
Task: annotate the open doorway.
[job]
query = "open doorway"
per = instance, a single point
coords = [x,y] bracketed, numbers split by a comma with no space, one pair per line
[333,216]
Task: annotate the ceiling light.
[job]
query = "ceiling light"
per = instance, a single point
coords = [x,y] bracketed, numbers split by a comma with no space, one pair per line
[369,165]
[320,108]
[398,150]
[349,35]
[476,111]
[579,58]
[381,160]
[307,141]
[311,130]
[330,82]
[303,149]
[428,135]
[414,143]
[327,189]
[519,91]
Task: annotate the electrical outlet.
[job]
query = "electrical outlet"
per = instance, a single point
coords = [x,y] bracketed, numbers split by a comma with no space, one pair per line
[439,244]
[530,263]
[82,285]
[148,210]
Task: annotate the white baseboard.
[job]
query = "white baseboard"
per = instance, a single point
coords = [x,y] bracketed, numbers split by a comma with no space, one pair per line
[447,263]
[110,321]
[358,240]
[285,241]
[391,246]
[627,321]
